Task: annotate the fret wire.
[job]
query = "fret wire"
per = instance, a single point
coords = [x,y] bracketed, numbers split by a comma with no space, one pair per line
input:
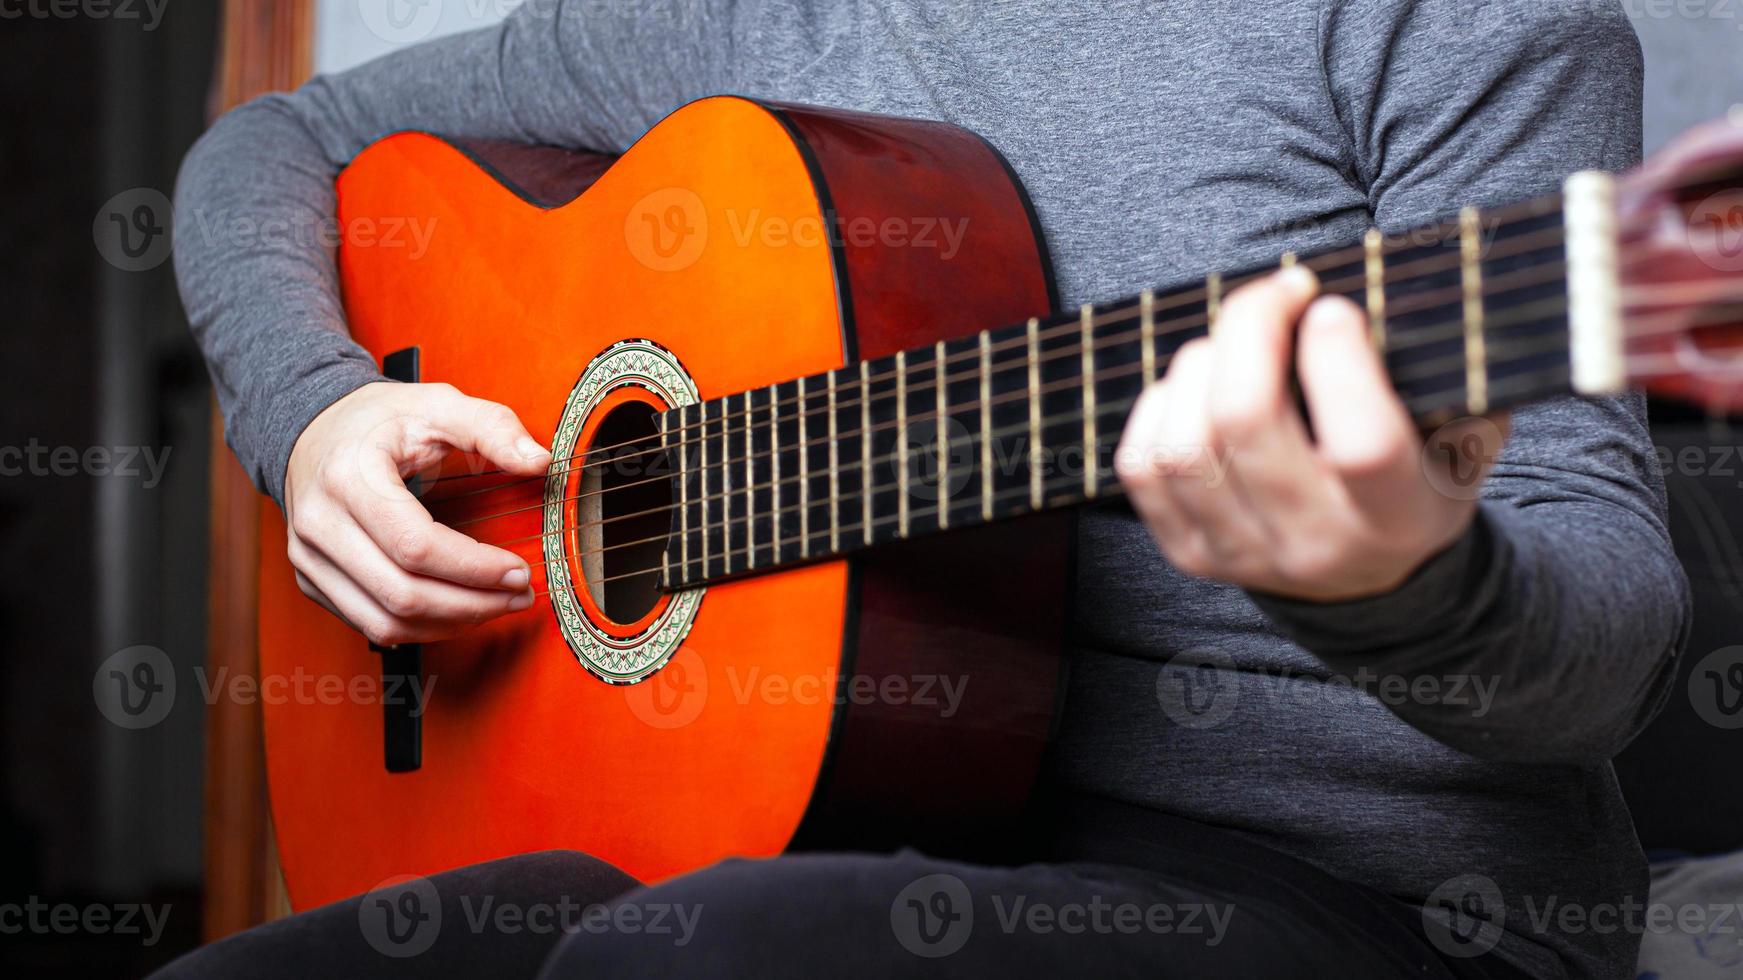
[804,479]
[750,522]
[683,503]
[1376,274]
[986,442]
[1034,414]
[775,467]
[665,561]
[1477,368]
[1147,334]
[834,473]
[702,477]
[865,449]
[942,434]
[901,444]
[726,483]
[1091,454]
[1213,302]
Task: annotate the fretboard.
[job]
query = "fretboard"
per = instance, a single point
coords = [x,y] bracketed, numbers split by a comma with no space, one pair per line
[1471,316]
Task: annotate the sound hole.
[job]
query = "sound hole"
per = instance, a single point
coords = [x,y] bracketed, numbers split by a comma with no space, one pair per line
[625,512]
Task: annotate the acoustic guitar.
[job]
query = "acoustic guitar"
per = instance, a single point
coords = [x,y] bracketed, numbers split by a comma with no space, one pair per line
[817,422]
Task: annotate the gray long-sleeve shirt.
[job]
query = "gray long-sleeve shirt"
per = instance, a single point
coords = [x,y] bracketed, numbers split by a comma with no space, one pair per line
[1459,726]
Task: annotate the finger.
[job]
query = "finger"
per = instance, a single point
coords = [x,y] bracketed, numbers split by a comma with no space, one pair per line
[487,428]
[353,601]
[1253,337]
[414,598]
[309,589]
[1144,468]
[380,504]
[1364,434]
[1252,410]
[1197,487]
[328,585]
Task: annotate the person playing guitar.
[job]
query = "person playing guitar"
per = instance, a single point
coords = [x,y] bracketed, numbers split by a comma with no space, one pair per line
[1424,686]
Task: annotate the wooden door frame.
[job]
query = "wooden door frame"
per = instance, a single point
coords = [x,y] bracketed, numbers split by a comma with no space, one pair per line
[267,45]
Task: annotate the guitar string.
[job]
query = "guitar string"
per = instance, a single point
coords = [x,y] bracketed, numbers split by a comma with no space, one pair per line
[1429,266]
[968,439]
[1426,335]
[892,457]
[1072,481]
[1507,282]
[1535,313]
[1431,334]
[1634,362]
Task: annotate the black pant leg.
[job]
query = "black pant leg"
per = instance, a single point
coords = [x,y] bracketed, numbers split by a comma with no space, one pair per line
[853,915]
[497,919]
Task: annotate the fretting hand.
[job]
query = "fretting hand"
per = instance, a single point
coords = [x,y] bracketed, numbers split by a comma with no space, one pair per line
[1220,464]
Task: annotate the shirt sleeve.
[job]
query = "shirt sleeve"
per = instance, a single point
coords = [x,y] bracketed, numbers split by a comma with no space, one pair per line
[255,207]
[1564,598]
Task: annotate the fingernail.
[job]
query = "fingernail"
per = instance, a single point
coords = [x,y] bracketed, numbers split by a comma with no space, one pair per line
[1300,277]
[528,448]
[521,601]
[517,578]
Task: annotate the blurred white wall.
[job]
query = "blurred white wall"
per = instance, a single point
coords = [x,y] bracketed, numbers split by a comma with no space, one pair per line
[1694,48]
[350,32]
[1694,61]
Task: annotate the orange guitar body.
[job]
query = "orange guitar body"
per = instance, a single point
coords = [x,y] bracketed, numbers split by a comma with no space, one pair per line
[753,243]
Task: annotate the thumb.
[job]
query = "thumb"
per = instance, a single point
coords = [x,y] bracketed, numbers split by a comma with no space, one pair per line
[487,428]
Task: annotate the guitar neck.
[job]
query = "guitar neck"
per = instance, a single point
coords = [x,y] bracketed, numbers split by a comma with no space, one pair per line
[1471,316]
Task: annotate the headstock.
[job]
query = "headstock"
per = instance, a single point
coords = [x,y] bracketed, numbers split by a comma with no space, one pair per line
[1680,258]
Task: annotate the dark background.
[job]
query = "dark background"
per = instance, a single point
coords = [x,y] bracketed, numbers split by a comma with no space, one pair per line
[97,356]
[94,355]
